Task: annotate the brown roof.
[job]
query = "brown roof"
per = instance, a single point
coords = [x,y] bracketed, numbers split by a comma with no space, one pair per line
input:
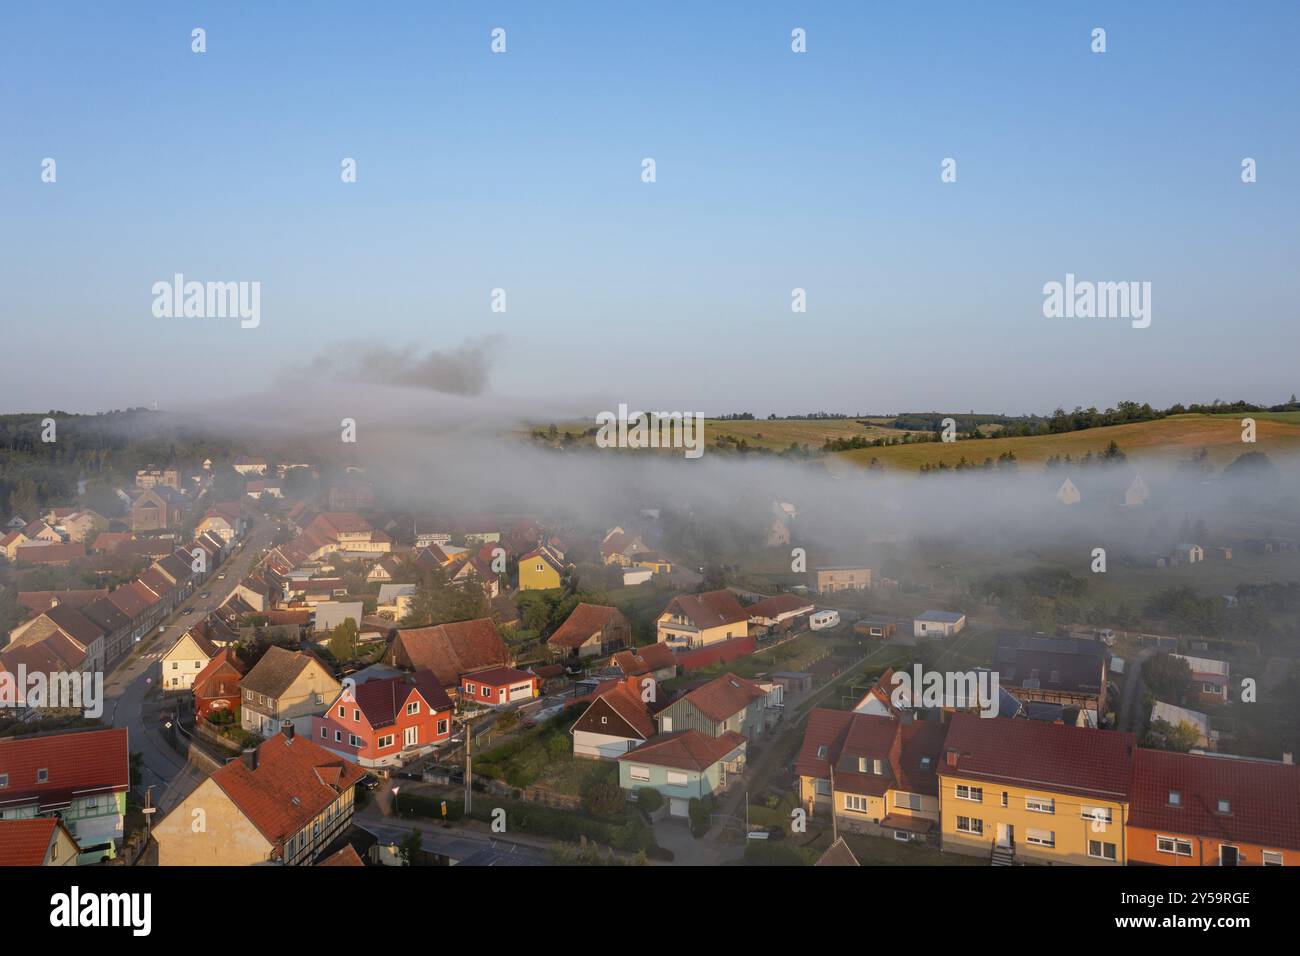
[643,660]
[1078,760]
[685,750]
[38,601]
[450,650]
[626,702]
[277,670]
[223,672]
[710,609]
[382,699]
[295,780]
[580,626]
[838,854]
[724,696]
[779,604]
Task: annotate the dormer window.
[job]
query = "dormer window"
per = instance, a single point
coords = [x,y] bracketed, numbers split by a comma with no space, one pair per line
[1175,798]
[1225,806]
[42,775]
[821,752]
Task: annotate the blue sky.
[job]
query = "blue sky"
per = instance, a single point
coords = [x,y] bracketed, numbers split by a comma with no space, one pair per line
[775,171]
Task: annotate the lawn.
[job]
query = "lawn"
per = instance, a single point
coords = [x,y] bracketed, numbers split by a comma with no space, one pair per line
[1174,438]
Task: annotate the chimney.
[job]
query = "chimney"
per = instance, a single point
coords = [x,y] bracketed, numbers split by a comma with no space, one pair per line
[249,757]
[952,758]
[1288,757]
[286,728]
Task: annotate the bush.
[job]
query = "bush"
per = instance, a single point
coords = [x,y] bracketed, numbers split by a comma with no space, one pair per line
[603,798]
[557,746]
[649,799]
[701,812]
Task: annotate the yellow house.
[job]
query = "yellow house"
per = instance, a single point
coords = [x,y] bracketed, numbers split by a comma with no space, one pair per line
[1032,792]
[653,560]
[284,802]
[876,773]
[541,569]
[698,620]
[36,841]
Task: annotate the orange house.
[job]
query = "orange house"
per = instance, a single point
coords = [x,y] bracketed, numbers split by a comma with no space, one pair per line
[1212,810]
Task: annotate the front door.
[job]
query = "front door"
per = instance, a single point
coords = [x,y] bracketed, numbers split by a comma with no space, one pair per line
[411,737]
[1228,856]
[1006,834]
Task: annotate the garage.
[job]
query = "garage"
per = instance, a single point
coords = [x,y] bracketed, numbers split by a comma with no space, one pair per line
[679,807]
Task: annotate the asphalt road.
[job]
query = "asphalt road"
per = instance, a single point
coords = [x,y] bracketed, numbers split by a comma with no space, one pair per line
[125,689]
[466,847]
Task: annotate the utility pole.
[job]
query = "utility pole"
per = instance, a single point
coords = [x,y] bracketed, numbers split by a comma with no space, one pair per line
[469,770]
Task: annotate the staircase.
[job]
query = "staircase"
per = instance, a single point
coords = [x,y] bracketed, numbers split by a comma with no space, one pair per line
[1003,856]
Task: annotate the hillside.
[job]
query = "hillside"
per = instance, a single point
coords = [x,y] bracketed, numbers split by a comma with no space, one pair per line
[1172,439]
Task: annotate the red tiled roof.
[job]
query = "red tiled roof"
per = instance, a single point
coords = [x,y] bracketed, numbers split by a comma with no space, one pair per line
[1263,798]
[685,750]
[38,601]
[643,660]
[295,780]
[77,764]
[1034,754]
[779,604]
[724,696]
[25,842]
[585,621]
[382,699]
[450,650]
[344,857]
[223,672]
[710,609]
[500,676]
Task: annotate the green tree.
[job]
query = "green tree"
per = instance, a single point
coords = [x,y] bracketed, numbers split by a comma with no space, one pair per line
[343,640]
[410,848]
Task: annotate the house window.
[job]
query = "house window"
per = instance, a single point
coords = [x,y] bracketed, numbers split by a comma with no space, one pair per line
[343,712]
[469,688]
[901,836]
[639,773]
[176,665]
[821,752]
[442,727]
[4,780]
[1101,851]
[823,788]
[1225,806]
[676,778]
[1004,798]
[1175,798]
[1174,845]
[354,740]
[412,708]
[1040,805]
[973,794]
[856,803]
[970,825]
[338,736]
[248,695]
[1040,837]
[356,716]
[1096,814]
[486,692]
[907,801]
[42,775]
[1272,858]
[324,733]
[385,741]
[667,725]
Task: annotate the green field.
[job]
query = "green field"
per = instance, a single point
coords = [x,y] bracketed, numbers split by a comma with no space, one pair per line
[1170,438]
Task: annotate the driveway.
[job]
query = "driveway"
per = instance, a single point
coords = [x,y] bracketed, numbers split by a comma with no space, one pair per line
[674,833]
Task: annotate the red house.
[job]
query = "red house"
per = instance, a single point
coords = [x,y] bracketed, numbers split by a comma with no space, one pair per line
[499,686]
[386,720]
[216,687]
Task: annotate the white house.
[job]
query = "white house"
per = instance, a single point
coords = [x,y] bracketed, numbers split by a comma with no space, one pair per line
[183,661]
[938,623]
[824,619]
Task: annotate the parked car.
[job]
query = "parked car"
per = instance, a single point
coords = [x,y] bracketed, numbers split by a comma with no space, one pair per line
[205,595]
